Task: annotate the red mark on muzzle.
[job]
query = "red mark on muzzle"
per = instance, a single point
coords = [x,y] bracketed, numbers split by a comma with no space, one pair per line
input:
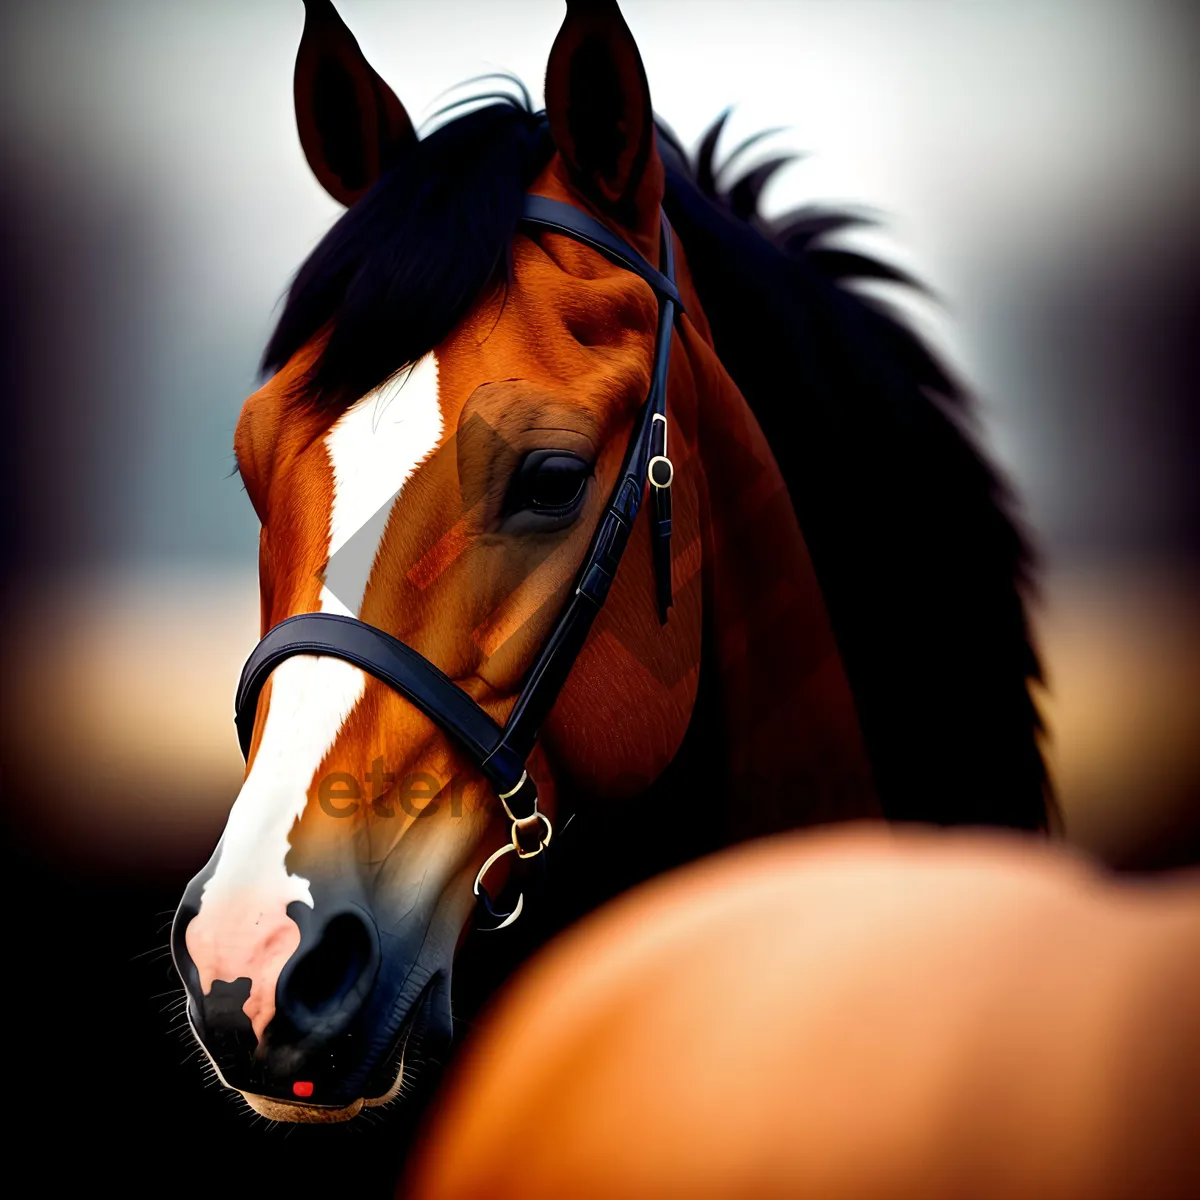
[302,1087]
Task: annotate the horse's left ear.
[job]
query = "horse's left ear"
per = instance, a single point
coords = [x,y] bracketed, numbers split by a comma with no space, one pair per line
[352,127]
[598,103]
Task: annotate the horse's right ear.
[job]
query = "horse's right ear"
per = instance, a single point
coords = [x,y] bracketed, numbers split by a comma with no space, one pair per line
[352,127]
[598,104]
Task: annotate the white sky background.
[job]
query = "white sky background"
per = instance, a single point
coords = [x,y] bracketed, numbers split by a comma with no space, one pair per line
[1003,138]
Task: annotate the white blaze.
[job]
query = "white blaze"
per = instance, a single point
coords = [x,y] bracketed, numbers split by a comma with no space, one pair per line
[373,449]
[242,929]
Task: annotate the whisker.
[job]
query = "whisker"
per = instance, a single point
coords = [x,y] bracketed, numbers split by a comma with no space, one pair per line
[153,950]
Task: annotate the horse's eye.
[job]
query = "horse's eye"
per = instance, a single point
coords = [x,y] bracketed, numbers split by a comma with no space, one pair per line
[549,482]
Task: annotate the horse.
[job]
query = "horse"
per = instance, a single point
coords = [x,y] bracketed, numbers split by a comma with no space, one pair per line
[859,1012]
[486,690]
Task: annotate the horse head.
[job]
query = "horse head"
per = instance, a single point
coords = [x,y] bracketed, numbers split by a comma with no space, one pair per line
[432,456]
[468,405]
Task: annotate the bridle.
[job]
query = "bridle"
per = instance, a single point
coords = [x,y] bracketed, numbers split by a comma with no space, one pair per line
[501,752]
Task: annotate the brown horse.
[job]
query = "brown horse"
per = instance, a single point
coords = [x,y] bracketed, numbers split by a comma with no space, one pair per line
[859,1015]
[451,403]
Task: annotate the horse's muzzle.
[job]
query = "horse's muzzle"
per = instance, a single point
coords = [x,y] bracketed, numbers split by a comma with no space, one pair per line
[348,1003]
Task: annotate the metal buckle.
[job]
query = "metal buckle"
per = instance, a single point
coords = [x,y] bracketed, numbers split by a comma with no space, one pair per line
[519,825]
[660,458]
[505,797]
[506,919]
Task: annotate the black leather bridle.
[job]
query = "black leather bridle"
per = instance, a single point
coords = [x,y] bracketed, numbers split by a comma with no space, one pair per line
[501,752]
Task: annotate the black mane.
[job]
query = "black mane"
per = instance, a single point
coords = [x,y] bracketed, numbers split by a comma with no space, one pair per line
[401,268]
[922,567]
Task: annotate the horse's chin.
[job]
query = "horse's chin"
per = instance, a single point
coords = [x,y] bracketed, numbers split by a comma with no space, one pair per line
[301,1114]
[317,1114]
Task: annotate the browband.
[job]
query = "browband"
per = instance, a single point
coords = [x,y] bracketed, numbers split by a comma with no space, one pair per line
[500,752]
[543,213]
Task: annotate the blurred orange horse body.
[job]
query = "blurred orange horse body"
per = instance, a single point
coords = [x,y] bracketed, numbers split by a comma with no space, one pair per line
[850,1014]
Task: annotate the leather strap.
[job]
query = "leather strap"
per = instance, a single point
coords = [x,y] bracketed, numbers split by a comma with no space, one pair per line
[389,660]
[540,212]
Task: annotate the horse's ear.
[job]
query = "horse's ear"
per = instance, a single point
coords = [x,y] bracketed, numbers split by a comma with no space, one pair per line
[352,127]
[598,102]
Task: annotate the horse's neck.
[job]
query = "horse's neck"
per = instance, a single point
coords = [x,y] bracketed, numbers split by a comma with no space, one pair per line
[793,749]
[774,741]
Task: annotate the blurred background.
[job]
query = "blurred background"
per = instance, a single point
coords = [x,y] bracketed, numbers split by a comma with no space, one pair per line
[1036,163]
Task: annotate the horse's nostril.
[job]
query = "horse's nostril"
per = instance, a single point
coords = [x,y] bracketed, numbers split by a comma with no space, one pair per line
[334,976]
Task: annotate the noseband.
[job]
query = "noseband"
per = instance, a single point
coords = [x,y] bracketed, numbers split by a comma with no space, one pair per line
[501,752]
